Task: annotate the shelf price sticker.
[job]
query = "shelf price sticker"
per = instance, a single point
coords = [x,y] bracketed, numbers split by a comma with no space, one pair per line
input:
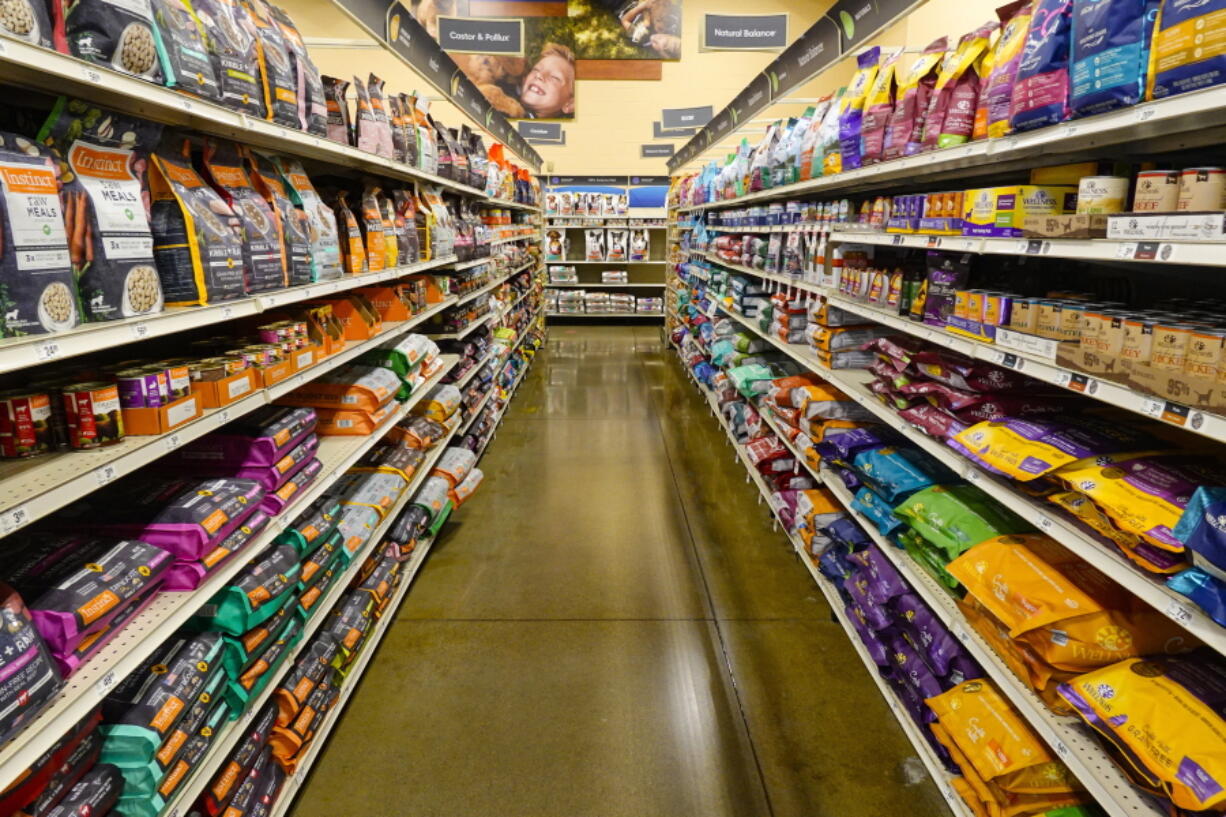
[106,474]
[172,442]
[91,75]
[1061,748]
[139,330]
[1045,522]
[47,350]
[12,520]
[1126,249]
[1146,251]
[1179,613]
[1146,114]
[105,684]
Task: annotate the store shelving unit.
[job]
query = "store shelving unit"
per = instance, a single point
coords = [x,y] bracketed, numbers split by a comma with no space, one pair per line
[168,611]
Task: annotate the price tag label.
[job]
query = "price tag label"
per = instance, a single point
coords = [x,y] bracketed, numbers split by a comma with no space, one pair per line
[1063,379]
[105,684]
[972,474]
[1060,748]
[306,293]
[1045,522]
[106,473]
[1146,251]
[47,350]
[270,300]
[1037,246]
[896,240]
[172,442]
[1179,613]
[12,520]
[1175,414]
[934,241]
[1152,408]
[1146,114]
[90,75]
[962,635]
[1126,249]
[223,417]
[186,104]
[139,330]
[1071,130]
[4,49]
[1081,383]
[227,312]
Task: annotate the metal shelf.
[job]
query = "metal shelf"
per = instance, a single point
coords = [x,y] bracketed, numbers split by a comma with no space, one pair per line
[534,233]
[471,373]
[604,314]
[235,730]
[170,610]
[585,284]
[1190,115]
[605,263]
[19,353]
[514,205]
[33,488]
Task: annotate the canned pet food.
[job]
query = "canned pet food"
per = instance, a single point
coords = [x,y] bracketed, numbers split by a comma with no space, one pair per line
[997,308]
[25,424]
[1202,189]
[1098,195]
[974,304]
[1157,192]
[1024,317]
[1204,353]
[1071,318]
[209,369]
[1170,350]
[178,381]
[962,299]
[139,388]
[1138,341]
[246,356]
[93,414]
[1051,312]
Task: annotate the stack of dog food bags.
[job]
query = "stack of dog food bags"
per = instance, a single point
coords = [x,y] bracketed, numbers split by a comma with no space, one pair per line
[67,776]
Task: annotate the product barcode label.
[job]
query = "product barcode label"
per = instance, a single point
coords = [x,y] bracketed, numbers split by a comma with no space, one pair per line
[1152,408]
[1060,748]
[140,330]
[173,441]
[1036,246]
[90,75]
[1045,522]
[1126,250]
[105,684]
[1146,114]
[106,474]
[227,312]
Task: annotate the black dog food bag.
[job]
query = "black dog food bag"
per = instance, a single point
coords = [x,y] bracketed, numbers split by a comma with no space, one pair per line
[234,50]
[97,792]
[118,35]
[186,60]
[28,679]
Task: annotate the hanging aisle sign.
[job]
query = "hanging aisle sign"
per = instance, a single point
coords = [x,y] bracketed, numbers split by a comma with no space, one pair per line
[391,22]
[656,151]
[481,36]
[545,131]
[686,117]
[658,131]
[833,37]
[744,32]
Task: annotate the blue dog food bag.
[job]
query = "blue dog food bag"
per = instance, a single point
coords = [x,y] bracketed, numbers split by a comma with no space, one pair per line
[1041,88]
[1189,48]
[1109,53]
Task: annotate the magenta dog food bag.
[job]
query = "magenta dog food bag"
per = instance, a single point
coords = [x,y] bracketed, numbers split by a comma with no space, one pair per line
[271,476]
[298,481]
[261,438]
[187,575]
[1041,85]
[88,647]
[80,584]
[28,678]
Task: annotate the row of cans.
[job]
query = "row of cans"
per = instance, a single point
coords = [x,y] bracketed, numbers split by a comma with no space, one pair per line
[80,415]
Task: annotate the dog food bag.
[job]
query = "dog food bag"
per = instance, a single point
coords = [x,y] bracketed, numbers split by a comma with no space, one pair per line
[1178,62]
[323,233]
[370,225]
[879,107]
[79,584]
[951,109]
[187,726]
[454,465]
[352,250]
[1041,86]
[352,387]
[283,496]
[121,36]
[35,257]
[146,706]
[234,46]
[826,156]
[194,750]
[261,438]
[350,622]
[30,21]
[1025,449]
[97,792]
[227,779]
[256,593]
[467,487]
[312,105]
[356,525]
[323,558]
[894,473]
[110,243]
[1163,713]
[594,241]
[293,225]
[313,667]
[196,238]
[185,55]
[379,490]
[400,132]
[440,403]
[187,575]
[617,241]
[281,81]
[998,85]
[262,239]
[82,757]
[28,678]
[958,517]
[1109,54]
[336,92]
[369,136]
[851,108]
[270,477]
[187,516]
[383,123]
[314,524]
[433,496]
[263,658]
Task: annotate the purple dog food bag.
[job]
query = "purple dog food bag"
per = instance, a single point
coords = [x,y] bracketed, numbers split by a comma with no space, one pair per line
[295,483]
[89,646]
[877,649]
[930,635]
[876,617]
[1041,85]
[884,580]
[260,438]
[188,575]
[912,668]
[80,584]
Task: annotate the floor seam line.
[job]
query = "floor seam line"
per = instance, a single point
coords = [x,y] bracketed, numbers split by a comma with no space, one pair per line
[719,633]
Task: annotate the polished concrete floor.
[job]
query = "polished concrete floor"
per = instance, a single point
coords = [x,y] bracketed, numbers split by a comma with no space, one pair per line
[612,629]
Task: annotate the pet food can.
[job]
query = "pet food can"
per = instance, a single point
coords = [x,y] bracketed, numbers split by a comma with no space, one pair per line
[1202,189]
[1100,195]
[178,380]
[1204,353]
[1025,315]
[1138,341]
[1157,192]
[997,308]
[274,332]
[214,368]
[245,355]
[975,303]
[163,385]
[1093,322]
[962,300]
[93,414]
[1170,350]
[25,424]
[1072,315]
[139,388]
[934,207]
[1047,323]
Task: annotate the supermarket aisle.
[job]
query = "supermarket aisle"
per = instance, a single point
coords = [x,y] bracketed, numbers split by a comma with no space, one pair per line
[613,630]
